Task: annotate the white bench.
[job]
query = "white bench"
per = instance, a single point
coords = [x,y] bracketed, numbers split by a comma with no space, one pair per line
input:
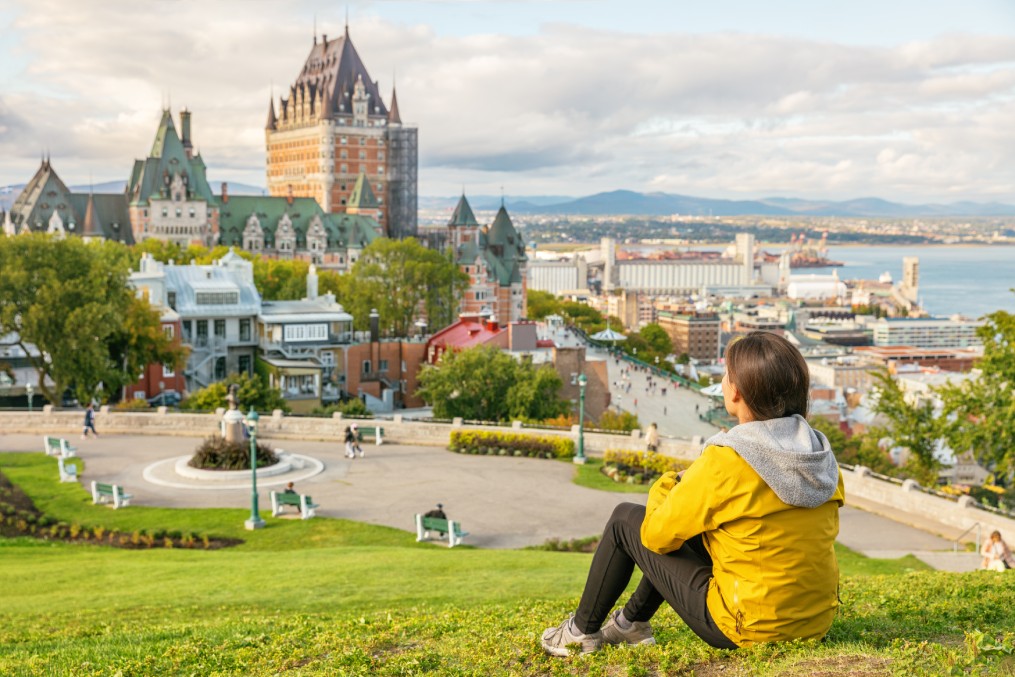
[68,471]
[280,499]
[58,446]
[101,492]
[453,529]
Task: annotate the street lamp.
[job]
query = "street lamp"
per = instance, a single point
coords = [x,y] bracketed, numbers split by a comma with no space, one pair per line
[29,390]
[579,458]
[255,521]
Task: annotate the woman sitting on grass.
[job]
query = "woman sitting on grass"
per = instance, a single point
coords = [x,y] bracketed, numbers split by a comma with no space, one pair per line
[741,545]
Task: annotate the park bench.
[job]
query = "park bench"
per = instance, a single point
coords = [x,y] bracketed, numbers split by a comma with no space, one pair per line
[68,471]
[376,431]
[453,529]
[57,446]
[280,499]
[102,492]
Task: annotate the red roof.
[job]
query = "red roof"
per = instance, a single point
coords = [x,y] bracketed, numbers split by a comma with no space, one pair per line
[465,333]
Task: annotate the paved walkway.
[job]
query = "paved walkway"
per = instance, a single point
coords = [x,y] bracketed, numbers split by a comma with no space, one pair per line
[502,502]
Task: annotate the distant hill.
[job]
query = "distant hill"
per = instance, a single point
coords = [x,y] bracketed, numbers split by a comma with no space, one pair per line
[658,204]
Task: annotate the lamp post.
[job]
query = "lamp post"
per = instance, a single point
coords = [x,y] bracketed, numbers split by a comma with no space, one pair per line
[579,458]
[29,390]
[255,521]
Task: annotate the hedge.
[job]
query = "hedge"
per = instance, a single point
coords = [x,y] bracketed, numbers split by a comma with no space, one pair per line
[510,444]
[638,467]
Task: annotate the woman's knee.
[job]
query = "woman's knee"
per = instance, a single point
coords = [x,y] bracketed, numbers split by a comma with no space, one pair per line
[627,517]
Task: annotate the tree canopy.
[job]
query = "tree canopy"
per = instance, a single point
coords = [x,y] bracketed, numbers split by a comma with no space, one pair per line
[484,383]
[401,278]
[980,412]
[252,391]
[69,298]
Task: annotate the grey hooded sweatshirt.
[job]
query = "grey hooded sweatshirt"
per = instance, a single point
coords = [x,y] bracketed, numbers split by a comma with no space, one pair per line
[795,460]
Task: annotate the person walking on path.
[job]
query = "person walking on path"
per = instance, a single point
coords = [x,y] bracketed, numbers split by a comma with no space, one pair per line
[89,422]
[350,441]
[741,543]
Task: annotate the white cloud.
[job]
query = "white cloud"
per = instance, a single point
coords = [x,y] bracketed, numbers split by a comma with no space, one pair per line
[568,110]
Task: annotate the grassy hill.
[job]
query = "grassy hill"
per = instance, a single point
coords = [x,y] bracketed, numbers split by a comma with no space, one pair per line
[327,597]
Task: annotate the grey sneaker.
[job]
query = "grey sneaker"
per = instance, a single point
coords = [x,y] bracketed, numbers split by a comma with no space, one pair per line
[556,640]
[640,632]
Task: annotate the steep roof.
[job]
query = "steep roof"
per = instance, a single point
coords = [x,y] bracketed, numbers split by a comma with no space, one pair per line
[463,216]
[333,67]
[501,249]
[394,118]
[362,196]
[151,177]
[95,215]
[42,195]
[272,119]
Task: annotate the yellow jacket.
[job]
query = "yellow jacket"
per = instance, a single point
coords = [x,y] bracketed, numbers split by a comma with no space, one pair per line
[775,576]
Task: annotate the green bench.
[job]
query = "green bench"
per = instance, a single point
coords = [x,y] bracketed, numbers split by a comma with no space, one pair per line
[453,529]
[68,471]
[103,492]
[280,499]
[57,446]
[376,431]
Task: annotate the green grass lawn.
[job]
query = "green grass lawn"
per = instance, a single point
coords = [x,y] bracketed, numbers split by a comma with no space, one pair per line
[330,597]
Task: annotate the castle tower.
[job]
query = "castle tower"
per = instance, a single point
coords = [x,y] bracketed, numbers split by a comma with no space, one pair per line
[332,127]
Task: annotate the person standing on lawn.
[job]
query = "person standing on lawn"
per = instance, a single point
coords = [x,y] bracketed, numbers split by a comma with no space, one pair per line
[741,543]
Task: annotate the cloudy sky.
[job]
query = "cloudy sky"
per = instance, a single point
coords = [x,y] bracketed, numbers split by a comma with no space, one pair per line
[730,98]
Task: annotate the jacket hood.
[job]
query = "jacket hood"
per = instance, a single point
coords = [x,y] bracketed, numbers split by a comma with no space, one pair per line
[795,460]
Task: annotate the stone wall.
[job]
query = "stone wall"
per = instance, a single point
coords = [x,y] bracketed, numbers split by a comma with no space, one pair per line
[278,426]
[909,498]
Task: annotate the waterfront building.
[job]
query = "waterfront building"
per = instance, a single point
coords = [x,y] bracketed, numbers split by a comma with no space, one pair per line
[332,126]
[816,287]
[926,332]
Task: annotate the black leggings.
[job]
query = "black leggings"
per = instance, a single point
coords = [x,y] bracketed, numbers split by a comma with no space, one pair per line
[680,578]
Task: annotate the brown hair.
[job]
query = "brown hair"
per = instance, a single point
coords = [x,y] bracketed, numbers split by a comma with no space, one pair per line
[770,374]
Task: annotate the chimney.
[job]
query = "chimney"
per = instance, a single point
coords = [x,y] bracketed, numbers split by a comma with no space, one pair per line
[324,38]
[225,192]
[312,283]
[375,326]
[289,195]
[491,323]
[185,132]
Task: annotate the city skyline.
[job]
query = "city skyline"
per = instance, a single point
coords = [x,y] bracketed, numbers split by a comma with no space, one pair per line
[911,104]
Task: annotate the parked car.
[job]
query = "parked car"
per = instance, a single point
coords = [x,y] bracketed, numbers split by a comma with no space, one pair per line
[167,398]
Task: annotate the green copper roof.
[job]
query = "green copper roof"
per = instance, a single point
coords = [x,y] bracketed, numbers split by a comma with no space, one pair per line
[362,196]
[343,230]
[463,215]
[501,248]
[153,176]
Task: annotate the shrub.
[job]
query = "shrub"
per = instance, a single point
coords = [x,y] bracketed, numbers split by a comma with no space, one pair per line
[510,444]
[624,421]
[216,453]
[352,407]
[638,467]
[135,404]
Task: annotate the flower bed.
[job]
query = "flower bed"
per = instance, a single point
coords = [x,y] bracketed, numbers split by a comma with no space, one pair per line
[215,453]
[638,467]
[510,444]
[20,517]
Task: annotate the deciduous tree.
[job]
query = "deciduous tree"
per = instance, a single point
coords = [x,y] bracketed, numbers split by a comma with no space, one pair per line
[981,411]
[70,300]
